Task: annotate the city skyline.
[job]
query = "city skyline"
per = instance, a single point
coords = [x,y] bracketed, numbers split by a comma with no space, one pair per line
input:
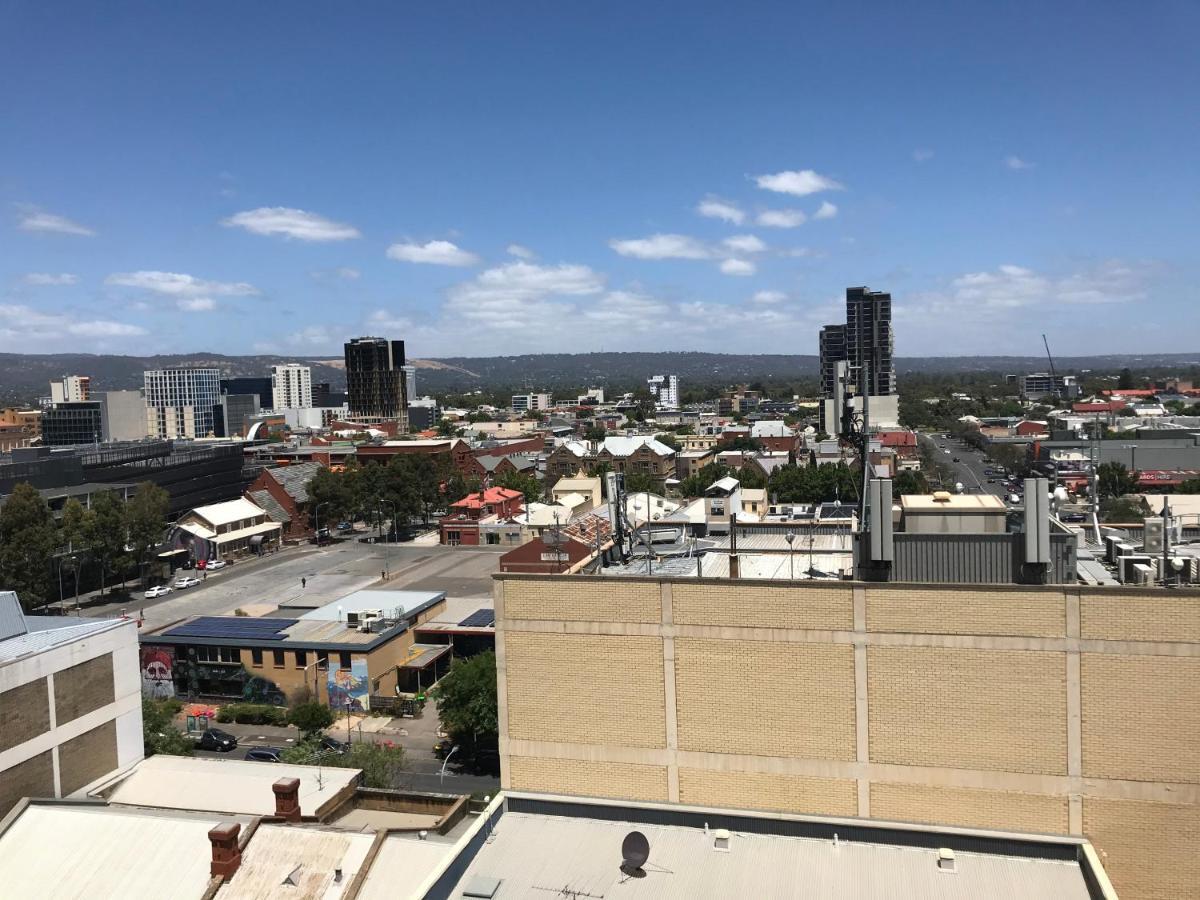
[537,180]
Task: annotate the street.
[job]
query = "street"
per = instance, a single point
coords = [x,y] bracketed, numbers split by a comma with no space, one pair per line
[259,586]
[972,465]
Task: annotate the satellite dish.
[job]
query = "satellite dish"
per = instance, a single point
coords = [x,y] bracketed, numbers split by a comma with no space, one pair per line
[635,850]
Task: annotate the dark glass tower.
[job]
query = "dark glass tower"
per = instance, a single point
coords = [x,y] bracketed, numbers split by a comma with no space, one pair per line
[375,378]
[869,338]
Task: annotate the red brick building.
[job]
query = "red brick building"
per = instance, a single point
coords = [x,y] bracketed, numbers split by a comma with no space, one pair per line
[283,493]
[470,515]
[541,558]
[454,451]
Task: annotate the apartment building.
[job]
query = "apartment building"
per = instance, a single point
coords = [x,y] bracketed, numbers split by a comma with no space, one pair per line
[70,702]
[1055,709]
[522,403]
[291,387]
[375,384]
[71,389]
[180,401]
[665,391]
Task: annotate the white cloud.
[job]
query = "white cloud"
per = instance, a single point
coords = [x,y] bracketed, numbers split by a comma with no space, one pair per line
[662,246]
[827,211]
[33,219]
[768,298]
[196,304]
[520,251]
[922,155]
[628,311]
[348,274]
[738,267]
[781,218]
[1017,164]
[437,253]
[744,243]
[177,284]
[23,329]
[715,208]
[47,278]
[799,253]
[797,183]
[291,223]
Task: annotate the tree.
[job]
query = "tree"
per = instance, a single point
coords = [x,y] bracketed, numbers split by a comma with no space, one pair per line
[1114,480]
[815,484]
[695,485]
[159,734]
[1125,380]
[27,544]
[670,440]
[1191,486]
[909,483]
[466,698]
[72,526]
[312,718]
[146,514]
[459,485]
[641,483]
[595,433]
[751,476]
[584,413]
[331,491]
[382,764]
[744,443]
[529,485]
[1125,510]
[108,534]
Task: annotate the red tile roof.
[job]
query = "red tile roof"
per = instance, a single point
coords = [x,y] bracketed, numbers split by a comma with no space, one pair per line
[897,439]
[493,496]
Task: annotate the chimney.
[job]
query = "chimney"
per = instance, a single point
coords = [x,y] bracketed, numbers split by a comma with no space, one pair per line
[287,799]
[734,569]
[226,857]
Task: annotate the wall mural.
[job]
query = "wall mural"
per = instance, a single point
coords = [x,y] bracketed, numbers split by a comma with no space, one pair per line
[349,686]
[158,668]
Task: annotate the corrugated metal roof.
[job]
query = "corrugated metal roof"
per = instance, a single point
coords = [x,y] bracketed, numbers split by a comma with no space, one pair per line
[273,507]
[535,855]
[295,478]
[131,854]
[12,617]
[297,863]
[43,638]
[401,865]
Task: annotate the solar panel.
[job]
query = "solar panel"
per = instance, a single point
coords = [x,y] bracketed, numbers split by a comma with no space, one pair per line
[481,618]
[243,628]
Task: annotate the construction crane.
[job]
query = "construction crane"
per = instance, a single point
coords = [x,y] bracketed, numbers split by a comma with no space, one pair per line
[1053,375]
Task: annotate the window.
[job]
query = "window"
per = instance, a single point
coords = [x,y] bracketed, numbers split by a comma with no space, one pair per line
[231,655]
[322,660]
[454,538]
[277,658]
[256,658]
[344,660]
[301,659]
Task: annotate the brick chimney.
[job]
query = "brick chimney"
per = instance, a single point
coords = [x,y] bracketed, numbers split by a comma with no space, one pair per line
[287,799]
[226,857]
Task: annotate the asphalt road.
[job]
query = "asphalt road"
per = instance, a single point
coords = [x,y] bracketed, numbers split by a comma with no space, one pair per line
[259,586]
[970,470]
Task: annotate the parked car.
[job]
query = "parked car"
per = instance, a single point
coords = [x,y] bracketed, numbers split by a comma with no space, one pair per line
[1074,517]
[188,563]
[344,526]
[991,481]
[263,754]
[186,581]
[159,590]
[334,745]
[956,459]
[485,761]
[214,564]
[216,739]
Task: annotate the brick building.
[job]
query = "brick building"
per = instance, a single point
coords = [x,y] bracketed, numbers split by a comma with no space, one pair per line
[539,557]
[454,452]
[283,493]
[468,519]
[70,702]
[1054,709]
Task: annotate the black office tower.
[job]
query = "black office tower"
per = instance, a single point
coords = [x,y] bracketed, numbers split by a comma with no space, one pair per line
[375,379]
[833,351]
[869,339]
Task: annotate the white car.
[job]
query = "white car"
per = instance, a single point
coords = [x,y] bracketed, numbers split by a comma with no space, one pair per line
[157,591]
[186,581]
[213,564]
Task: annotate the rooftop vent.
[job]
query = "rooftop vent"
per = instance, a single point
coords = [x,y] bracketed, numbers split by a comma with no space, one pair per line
[721,839]
[483,887]
[945,862]
[941,496]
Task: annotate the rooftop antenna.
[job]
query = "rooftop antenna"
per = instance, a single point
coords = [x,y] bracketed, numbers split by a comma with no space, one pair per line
[635,850]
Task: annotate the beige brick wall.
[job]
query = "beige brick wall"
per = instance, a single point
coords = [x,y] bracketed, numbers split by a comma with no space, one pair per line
[765,699]
[751,790]
[969,808]
[559,600]
[586,778]
[1149,849]
[1141,717]
[83,688]
[24,713]
[586,689]
[32,778]
[968,709]
[929,611]
[1140,616]
[723,603]
[87,757]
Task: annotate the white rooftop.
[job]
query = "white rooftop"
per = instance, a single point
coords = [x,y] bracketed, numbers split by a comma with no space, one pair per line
[624,446]
[170,853]
[402,865]
[401,603]
[226,785]
[229,512]
[307,857]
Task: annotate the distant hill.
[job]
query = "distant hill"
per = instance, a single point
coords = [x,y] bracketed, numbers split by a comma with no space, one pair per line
[24,377]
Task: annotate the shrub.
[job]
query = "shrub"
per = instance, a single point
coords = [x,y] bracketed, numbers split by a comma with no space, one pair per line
[252,714]
[311,718]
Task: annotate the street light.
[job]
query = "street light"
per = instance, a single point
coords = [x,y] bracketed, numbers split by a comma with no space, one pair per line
[789,537]
[442,775]
[349,705]
[317,519]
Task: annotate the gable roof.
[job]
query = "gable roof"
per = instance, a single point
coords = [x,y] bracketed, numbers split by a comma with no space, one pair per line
[227,513]
[295,478]
[493,495]
[626,446]
[273,507]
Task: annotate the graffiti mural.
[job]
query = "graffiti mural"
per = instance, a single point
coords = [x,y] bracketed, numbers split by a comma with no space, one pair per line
[349,686]
[158,671]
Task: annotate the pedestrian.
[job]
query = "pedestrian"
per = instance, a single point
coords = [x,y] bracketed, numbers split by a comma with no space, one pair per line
[204,577]
[303,583]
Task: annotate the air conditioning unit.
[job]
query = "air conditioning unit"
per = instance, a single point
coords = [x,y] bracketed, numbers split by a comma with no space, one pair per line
[1143,573]
[1152,536]
[1128,568]
[366,622]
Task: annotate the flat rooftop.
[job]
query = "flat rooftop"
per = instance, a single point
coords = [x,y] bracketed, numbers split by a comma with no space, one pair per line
[394,604]
[233,786]
[559,846]
[956,503]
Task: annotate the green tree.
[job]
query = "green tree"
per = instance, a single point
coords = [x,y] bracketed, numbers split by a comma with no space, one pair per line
[1191,486]
[595,433]
[641,483]
[332,491]
[466,699]
[312,718]
[27,543]
[159,734]
[751,476]
[744,443]
[108,535]
[909,483]
[382,764]
[459,485]
[695,485]
[1125,380]
[72,526]
[815,484]
[146,513]
[529,485]
[1115,480]
[669,439]
[1125,510]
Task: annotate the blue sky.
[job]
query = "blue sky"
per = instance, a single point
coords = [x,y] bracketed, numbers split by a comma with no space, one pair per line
[487,178]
